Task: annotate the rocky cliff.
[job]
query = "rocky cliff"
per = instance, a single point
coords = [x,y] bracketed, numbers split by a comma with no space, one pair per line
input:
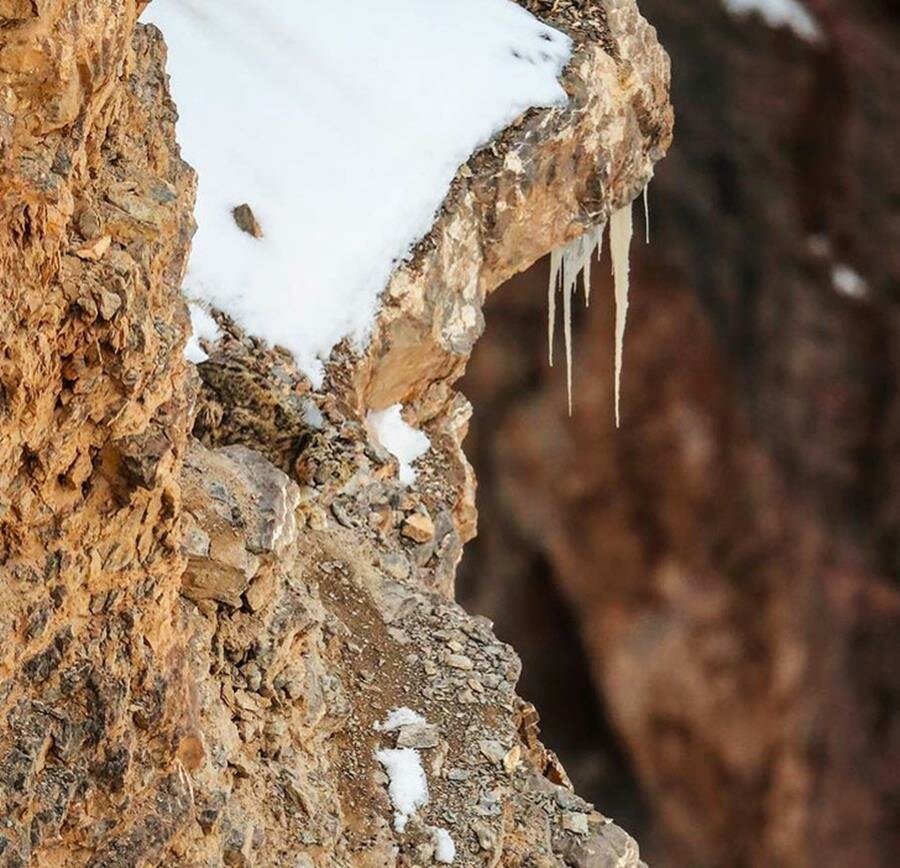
[208,600]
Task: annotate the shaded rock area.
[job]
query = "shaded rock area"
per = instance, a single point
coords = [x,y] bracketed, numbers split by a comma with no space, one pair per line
[212,583]
[729,557]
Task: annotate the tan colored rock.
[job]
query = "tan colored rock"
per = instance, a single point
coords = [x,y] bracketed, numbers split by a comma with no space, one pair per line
[92,251]
[96,727]
[196,648]
[419,527]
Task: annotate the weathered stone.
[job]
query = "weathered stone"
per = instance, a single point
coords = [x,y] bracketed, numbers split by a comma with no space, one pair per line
[130,712]
[420,736]
[573,822]
[246,220]
[419,527]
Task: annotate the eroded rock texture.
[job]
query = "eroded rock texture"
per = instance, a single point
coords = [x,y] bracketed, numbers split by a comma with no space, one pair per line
[212,588]
[94,226]
[729,556]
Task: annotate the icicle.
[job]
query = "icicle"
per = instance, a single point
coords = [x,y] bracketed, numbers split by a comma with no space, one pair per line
[568,290]
[566,264]
[587,282]
[596,242]
[555,260]
[621,229]
[647,211]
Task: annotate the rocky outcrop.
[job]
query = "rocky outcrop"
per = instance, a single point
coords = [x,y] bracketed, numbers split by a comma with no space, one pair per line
[214,587]
[94,413]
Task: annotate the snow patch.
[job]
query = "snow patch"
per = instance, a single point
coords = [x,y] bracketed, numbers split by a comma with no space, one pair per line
[203,327]
[408,787]
[341,127]
[403,441]
[848,282]
[444,848]
[780,13]
[398,717]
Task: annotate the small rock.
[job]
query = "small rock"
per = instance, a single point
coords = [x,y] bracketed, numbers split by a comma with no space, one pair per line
[93,251]
[493,750]
[246,220]
[459,661]
[418,735]
[575,823]
[109,304]
[512,759]
[418,527]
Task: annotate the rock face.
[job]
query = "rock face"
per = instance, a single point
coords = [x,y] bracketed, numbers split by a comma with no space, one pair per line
[729,557]
[94,414]
[208,600]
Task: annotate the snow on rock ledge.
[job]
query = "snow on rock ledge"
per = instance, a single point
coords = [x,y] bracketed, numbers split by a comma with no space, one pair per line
[334,228]
[226,631]
[552,176]
[338,128]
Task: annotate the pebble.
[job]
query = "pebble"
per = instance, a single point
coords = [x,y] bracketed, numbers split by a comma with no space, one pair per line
[576,823]
[418,735]
[109,304]
[459,661]
[418,527]
[92,251]
[512,759]
[492,750]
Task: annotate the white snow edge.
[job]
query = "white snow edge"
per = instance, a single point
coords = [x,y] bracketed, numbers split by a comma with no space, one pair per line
[444,847]
[780,13]
[341,126]
[405,443]
[399,717]
[408,787]
[203,327]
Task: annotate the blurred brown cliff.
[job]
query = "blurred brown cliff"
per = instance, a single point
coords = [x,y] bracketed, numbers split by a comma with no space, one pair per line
[722,573]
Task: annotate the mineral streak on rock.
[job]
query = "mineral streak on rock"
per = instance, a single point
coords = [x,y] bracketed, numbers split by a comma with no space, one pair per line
[200,634]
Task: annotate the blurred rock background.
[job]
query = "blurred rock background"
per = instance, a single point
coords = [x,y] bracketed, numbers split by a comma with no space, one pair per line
[707,600]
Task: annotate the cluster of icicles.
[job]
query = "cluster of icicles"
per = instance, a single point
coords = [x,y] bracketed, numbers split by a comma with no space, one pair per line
[568,262]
